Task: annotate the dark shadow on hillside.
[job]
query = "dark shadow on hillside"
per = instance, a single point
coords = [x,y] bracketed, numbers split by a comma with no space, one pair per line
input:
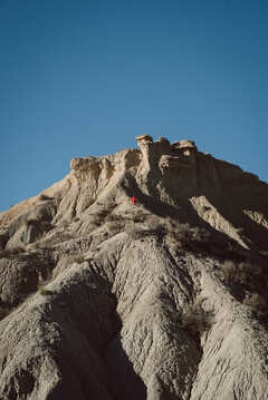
[232,197]
[217,242]
[126,384]
[228,188]
[185,214]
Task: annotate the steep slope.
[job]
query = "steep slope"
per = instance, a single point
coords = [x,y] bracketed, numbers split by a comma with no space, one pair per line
[164,299]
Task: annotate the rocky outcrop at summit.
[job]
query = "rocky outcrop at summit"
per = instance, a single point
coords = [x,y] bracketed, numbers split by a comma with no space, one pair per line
[162,299]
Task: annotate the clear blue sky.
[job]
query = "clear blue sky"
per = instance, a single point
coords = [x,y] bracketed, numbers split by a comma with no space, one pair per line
[84,77]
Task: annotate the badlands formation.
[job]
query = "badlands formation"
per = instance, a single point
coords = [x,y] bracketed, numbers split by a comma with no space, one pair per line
[164,299]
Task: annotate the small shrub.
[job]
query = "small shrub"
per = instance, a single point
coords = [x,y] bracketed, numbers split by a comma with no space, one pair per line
[139,218]
[44,197]
[246,274]
[10,252]
[102,214]
[79,259]
[64,223]
[45,292]
[229,269]
[197,321]
[96,221]
[115,226]
[113,218]
[257,304]
[138,232]
[18,250]
[5,253]
[178,235]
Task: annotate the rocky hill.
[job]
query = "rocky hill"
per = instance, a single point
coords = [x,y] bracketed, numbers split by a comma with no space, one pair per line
[161,298]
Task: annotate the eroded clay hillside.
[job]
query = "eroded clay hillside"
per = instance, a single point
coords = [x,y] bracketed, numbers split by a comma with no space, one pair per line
[164,299]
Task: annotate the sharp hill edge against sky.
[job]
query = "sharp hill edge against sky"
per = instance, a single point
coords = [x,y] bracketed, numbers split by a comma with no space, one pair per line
[81,77]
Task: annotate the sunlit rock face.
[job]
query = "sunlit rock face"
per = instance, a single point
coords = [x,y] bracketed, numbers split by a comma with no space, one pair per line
[163,162]
[178,153]
[162,298]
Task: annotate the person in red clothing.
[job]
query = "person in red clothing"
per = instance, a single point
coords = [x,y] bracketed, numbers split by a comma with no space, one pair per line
[134,200]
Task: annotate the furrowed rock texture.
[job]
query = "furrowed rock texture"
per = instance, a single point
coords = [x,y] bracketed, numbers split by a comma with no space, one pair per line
[164,299]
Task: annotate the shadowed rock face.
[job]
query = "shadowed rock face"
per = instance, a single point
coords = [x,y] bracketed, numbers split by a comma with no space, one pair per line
[165,299]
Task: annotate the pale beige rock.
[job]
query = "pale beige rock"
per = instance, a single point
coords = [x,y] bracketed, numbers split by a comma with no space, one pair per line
[165,299]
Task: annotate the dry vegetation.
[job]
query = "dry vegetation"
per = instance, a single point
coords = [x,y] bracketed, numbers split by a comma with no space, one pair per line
[44,197]
[238,270]
[6,253]
[252,280]
[45,292]
[197,321]
[79,259]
